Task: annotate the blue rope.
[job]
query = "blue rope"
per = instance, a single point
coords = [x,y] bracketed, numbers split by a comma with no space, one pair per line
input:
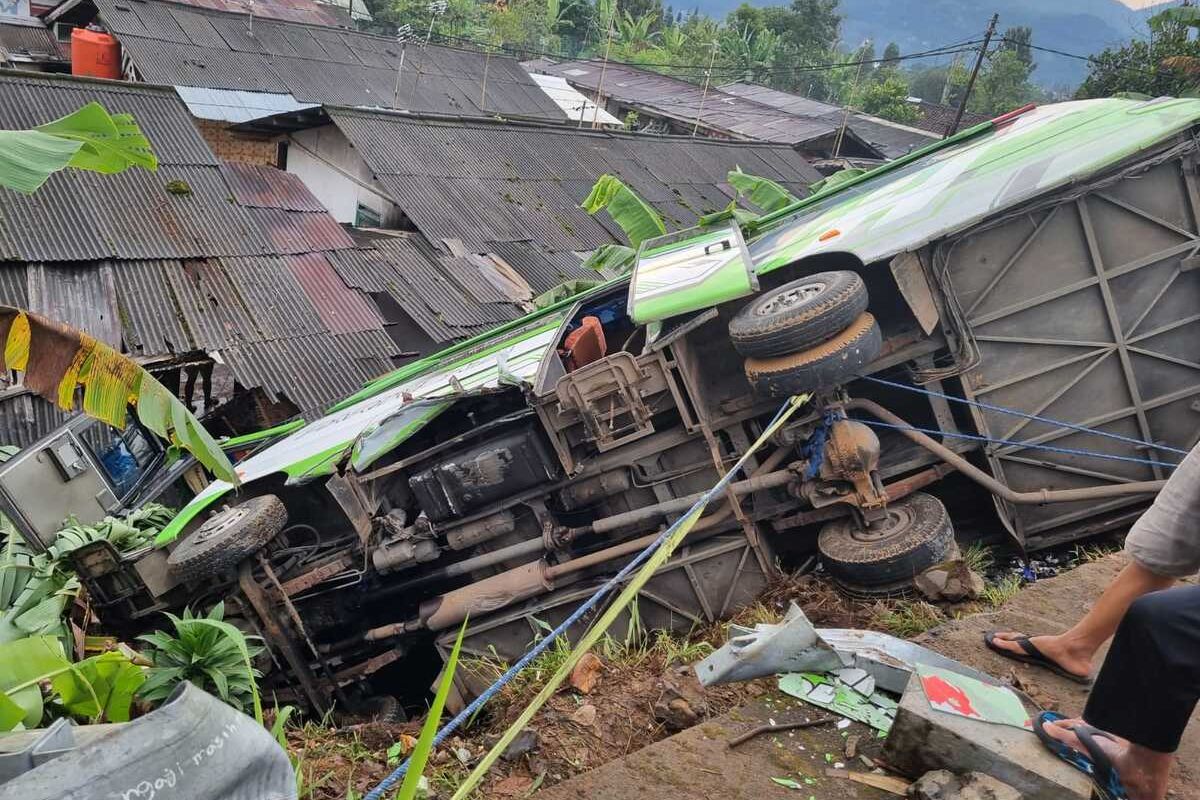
[813,450]
[986,439]
[387,783]
[1000,409]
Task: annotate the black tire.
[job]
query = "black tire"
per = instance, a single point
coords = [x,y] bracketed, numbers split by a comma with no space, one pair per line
[798,315]
[829,364]
[885,557]
[228,537]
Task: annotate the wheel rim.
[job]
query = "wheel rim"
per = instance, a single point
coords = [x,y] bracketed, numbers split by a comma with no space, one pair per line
[898,520]
[216,526]
[792,297]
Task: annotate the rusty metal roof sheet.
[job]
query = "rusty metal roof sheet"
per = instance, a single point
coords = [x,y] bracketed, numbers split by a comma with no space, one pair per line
[187,46]
[257,186]
[341,308]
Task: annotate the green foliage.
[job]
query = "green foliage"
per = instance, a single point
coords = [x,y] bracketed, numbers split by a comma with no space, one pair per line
[424,745]
[564,290]
[1167,64]
[35,674]
[208,652]
[36,588]
[1003,84]
[762,192]
[836,179]
[978,558]
[635,216]
[89,139]
[613,259]
[887,98]
[997,594]
[907,619]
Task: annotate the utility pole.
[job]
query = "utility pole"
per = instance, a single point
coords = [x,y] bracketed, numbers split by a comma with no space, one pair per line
[704,95]
[962,104]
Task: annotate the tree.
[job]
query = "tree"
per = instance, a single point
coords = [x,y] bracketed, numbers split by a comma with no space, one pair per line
[1155,68]
[887,98]
[891,56]
[1004,82]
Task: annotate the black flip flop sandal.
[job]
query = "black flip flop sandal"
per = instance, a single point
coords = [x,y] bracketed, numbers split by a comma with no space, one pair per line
[1032,656]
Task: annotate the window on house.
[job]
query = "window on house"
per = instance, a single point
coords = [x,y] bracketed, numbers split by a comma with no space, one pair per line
[366,217]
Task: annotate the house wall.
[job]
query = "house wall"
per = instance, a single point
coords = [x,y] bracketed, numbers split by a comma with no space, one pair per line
[231,146]
[333,171]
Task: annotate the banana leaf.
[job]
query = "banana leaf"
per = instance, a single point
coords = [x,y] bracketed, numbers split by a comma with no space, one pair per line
[60,363]
[635,216]
[614,258]
[762,192]
[89,138]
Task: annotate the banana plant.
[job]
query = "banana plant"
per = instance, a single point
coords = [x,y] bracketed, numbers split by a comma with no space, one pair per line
[36,668]
[89,139]
[61,364]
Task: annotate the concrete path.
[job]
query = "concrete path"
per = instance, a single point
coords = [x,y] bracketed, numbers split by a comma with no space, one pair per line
[698,762]
[1051,606]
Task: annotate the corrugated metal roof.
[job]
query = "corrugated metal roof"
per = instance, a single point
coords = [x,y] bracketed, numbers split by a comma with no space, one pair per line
[680,100]
[936,118]
[341,308]
[257,186]
[149,309]
[484,182]
[25,418]
[27,40]
[81,296]
[574,104]
[891,138]
[170,44]
[13,289]
[235,105]
[175,261]
[273,297]
[543,270]
[310,12]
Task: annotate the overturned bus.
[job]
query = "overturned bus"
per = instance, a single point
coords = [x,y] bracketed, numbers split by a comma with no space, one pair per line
[1044,263]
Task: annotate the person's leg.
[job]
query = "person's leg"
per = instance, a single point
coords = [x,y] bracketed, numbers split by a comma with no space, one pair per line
[1074,649]
[1147,690]
[1163,544]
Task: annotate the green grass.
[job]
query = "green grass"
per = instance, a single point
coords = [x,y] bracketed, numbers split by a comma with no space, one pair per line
[978,557]
[907,619]
[997,594]
[1087,553]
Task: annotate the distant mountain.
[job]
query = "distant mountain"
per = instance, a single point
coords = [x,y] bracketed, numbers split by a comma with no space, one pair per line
[1073,26]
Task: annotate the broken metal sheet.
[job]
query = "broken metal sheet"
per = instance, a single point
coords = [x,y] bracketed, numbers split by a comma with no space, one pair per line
[789,646]
[952,693]
[828,692]
[891,660]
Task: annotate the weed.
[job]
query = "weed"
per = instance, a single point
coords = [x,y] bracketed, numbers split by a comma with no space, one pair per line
[978,558]
[907,619]
[997,594]
[1087,553]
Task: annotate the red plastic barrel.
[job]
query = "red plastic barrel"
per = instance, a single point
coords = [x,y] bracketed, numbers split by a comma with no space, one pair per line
[95,54]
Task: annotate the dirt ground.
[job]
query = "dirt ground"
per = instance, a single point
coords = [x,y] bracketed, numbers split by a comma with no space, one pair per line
[630,702]
[620,740]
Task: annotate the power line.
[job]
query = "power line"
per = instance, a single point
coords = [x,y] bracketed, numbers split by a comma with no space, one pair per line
[948,49]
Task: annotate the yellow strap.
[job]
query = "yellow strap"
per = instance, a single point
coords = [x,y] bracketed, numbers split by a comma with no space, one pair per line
[589,640]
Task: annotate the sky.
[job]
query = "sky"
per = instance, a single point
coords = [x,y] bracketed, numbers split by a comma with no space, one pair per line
[1141,3]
